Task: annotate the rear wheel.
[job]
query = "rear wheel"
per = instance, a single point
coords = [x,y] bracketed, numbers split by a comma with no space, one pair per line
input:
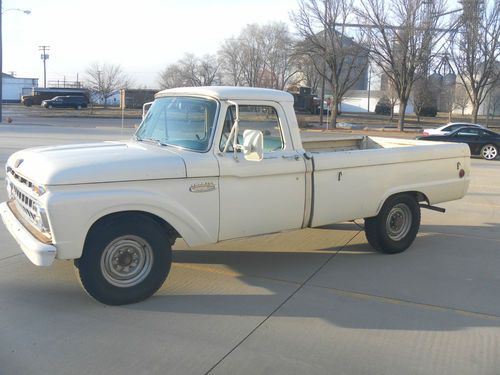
[489,152]
[125,260]
[78,106]
[394,229]
[49,106]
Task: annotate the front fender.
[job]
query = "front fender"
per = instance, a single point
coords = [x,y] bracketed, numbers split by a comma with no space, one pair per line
[74,209]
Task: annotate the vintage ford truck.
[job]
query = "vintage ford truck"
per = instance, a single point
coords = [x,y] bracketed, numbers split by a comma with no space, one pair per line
[210,164]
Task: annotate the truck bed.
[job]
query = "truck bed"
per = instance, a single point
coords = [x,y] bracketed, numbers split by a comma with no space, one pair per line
[353,175]
[335,143]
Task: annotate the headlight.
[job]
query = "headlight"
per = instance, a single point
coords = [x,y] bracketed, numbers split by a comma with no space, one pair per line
[41,219]
[38,189]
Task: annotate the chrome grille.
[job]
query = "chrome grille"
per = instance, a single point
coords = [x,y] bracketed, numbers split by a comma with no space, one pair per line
[20,178]
[24,203]
[19,189]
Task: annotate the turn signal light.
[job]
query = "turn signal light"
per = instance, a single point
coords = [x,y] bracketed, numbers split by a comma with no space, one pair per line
[461,173]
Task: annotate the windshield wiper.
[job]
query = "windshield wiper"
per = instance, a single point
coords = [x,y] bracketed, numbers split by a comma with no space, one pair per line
[149,140]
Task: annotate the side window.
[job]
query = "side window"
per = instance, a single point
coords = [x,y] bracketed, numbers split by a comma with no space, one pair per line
[255,117]
[470,132]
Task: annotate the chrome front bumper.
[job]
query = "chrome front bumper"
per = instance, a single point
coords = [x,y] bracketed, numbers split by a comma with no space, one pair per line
[41,254]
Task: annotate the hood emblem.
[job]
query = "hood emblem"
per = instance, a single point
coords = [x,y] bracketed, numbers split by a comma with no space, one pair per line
[18,163]
[202,187]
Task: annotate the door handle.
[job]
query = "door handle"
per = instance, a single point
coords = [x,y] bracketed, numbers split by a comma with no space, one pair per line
[291,157]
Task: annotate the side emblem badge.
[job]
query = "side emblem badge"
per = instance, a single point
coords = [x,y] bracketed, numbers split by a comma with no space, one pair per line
[18,163]
[203,187]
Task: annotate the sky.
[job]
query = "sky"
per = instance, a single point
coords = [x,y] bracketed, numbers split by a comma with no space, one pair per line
[143,37]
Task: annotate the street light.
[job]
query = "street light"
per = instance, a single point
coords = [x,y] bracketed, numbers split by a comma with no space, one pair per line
[25,11]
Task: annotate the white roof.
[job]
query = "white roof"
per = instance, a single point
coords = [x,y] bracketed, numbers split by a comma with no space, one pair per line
[230,92]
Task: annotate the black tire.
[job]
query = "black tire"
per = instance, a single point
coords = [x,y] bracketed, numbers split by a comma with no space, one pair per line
[489,152]
[114,246]
[394,229]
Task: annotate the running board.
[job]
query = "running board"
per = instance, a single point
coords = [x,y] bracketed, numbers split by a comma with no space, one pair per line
[433,208]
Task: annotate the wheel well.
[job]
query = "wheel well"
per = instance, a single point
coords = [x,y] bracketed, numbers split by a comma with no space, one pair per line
[170,230]
[419,196]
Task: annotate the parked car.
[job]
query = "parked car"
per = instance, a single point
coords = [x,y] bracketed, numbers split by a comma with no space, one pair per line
[482,142]
[76,102]
[450,127]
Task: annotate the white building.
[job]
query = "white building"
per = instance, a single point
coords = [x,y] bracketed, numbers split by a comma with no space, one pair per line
[13,87]
[371,88]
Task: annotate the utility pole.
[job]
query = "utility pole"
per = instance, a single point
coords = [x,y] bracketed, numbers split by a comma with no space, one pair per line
[44,56]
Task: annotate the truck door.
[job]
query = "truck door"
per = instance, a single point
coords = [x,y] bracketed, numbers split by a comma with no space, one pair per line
[266,196]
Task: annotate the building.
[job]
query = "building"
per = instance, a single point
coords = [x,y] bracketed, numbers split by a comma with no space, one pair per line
[14,87]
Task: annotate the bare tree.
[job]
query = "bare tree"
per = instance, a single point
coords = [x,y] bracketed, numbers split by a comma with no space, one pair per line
[191,71]
[231,60]
[105,79]
[423,97]
[461,98]
[392,97]
[403,35]
[308,74]
[261,56]
[324,41]
[475,50]
[171,77]
[279,57]
[252,55]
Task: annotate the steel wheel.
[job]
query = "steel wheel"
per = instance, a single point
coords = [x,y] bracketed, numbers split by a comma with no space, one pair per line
[126,261]
[395,227]
[489,152]
[398,222]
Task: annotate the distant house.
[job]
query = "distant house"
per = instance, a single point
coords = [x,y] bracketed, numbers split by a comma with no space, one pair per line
[112,101]
[14,87]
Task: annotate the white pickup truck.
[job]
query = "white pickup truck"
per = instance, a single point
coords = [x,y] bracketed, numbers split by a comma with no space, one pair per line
[210,164]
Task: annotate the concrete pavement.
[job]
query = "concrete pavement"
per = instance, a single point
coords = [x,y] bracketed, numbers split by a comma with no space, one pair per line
[316,301]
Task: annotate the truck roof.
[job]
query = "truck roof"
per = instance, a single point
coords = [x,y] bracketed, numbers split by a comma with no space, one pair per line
[230,92]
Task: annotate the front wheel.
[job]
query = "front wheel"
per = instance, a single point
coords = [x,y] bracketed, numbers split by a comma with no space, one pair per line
[489,152]
[125,260]
[394,229]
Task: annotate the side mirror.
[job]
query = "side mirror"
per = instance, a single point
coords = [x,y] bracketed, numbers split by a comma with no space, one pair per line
[145,109]
[253,145]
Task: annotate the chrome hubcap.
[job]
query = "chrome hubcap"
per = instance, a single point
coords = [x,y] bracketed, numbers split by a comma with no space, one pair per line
[126,261]
[398,222]
[489,152]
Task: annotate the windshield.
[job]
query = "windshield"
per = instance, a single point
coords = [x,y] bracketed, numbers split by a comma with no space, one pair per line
[179,121]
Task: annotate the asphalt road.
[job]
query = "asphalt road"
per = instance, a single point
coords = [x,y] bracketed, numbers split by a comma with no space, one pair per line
[316,301]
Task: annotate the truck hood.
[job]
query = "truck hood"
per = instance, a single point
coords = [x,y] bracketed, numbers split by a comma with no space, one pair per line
[97,162]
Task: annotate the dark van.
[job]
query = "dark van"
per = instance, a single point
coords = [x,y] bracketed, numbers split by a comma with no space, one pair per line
[76,102]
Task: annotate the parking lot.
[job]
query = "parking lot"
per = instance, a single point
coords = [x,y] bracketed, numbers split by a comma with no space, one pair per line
[316,301]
